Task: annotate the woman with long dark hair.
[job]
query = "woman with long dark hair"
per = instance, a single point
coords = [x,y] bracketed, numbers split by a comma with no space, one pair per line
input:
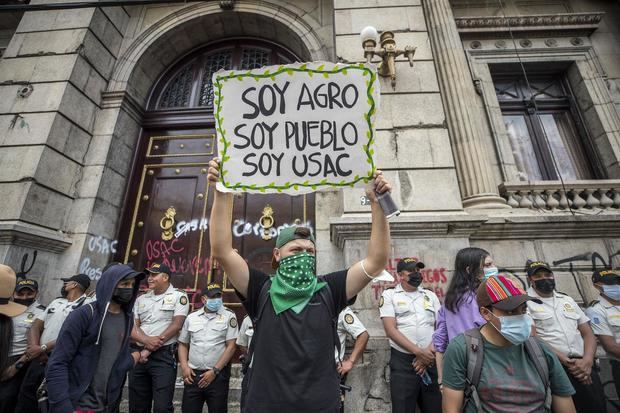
[8,309]
[460,310]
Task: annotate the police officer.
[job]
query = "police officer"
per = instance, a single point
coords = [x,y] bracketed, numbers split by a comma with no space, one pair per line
[42,337]
[408,312]
[159,316]
[605,316]
[210,334]
[246,331]
[562,325]
[26,291]
[348,323]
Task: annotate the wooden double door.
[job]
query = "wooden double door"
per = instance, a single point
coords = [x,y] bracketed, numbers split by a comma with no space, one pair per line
[168,212]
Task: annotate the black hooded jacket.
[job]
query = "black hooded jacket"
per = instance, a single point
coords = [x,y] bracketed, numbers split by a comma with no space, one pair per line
[72,365]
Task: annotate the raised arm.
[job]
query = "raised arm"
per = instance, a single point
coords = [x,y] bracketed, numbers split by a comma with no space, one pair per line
[220,234]
[379,244]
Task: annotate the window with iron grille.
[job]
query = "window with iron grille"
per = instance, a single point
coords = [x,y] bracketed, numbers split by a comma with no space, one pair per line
[189,85]
[544,128]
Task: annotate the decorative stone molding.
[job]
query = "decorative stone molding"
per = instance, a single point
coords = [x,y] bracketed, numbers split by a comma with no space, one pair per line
[549,226]
[123,100]
[551,195]
[437,226]
[577,24]
[33,236]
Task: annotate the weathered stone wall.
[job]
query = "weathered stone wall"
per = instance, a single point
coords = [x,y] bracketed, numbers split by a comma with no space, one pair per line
[51,78]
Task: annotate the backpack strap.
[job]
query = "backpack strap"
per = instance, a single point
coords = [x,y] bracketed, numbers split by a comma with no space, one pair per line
[263,296]
[92,311]
[328,298]
[535,352]
[474,352]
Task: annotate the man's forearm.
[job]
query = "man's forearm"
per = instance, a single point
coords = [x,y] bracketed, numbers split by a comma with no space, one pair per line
[137,334]
[34,333]
[50,345]
[183,354]
[379,244]
[226,356]
[360,345]
[173,329]
[589,350]
[610,345]
[220,233]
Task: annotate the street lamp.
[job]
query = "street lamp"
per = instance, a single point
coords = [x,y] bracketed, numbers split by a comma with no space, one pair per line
[387,51]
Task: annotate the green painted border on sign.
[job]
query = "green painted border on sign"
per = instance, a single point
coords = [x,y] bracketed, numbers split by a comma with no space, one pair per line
[218,98]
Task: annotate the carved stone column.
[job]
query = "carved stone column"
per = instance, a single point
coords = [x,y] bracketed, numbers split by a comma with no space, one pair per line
[472,157]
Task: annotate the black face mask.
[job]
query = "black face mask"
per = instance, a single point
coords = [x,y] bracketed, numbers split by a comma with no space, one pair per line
[64,292]
[415,279]
[24,301]
[545,285]
[123,295]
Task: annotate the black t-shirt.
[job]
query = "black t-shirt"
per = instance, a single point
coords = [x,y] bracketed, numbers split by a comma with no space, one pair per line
[111,341]
[293,367]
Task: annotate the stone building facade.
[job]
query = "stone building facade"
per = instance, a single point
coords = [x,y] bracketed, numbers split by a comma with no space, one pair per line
[88,96]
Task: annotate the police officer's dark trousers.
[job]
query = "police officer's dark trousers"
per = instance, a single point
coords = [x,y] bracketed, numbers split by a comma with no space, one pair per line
[588,398]
[27,399]
[615,373]
[407,388]
[9,389]
[153,383]
[215,394]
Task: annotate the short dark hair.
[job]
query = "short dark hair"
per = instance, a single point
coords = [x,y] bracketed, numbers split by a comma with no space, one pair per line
[303,232]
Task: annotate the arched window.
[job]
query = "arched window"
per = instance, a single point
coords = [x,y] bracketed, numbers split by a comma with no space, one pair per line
[189,86]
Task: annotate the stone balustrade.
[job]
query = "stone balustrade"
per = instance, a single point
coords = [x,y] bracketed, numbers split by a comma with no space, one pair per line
[551,195]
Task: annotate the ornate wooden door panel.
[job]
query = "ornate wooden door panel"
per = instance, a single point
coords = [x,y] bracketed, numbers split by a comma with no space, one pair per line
[169,200]
[169,220]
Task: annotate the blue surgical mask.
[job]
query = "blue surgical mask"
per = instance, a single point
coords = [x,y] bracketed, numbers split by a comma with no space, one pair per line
[214,304]
[490,271]
[612,291]
[515,328]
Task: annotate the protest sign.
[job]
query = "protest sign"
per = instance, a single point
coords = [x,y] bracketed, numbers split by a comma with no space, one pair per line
[295,128]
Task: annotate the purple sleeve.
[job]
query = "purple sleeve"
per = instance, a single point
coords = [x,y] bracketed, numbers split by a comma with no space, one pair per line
[440,336]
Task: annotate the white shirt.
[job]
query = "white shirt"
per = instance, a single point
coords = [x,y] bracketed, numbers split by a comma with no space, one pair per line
[556,321]
[55,314]
[21,325]
[415,314]
[207,334]
[156,311]
[605,320]
[246,331]
[347,323]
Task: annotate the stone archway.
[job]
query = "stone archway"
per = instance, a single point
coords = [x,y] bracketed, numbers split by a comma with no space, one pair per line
[142,61]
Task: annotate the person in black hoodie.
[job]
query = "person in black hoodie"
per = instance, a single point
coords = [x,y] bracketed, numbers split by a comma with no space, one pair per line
[87,369]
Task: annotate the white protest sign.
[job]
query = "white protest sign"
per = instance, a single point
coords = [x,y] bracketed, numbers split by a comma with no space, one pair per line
[295,128]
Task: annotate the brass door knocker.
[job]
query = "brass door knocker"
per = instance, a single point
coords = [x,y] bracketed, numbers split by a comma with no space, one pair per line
[266,222]
[167,223]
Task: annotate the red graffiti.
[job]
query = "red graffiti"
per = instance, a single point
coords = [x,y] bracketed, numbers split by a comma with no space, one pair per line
[186,265]
[160,250]
[433,279]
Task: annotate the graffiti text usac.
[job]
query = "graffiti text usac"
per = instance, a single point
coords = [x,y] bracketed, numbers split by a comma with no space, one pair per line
[97,255]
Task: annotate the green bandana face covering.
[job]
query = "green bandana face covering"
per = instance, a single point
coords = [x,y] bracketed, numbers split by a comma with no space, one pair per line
[294,283]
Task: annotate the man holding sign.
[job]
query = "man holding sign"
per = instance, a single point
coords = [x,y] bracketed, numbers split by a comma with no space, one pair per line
[293,367]
[295,129]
